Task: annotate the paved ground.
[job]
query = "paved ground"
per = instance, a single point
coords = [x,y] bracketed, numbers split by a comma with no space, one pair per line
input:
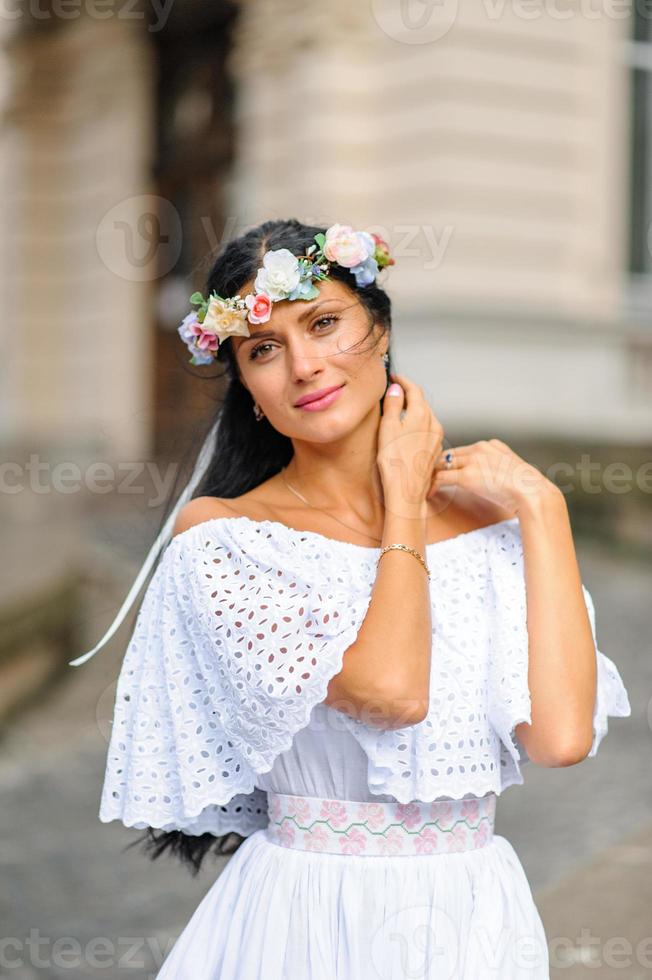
[74,904]
[598,919]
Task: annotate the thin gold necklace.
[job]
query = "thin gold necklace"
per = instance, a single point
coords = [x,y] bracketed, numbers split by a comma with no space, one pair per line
[328,514]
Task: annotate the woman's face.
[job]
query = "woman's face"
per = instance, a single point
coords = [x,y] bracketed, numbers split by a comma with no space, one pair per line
[308,346]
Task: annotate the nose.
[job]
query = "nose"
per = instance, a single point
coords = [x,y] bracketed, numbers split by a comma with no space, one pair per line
[305,364]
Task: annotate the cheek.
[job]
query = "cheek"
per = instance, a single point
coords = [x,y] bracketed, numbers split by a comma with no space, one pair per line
[351,353]
[268,387]
[363,365]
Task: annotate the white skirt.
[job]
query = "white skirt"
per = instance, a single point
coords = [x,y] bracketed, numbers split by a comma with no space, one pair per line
[345,890]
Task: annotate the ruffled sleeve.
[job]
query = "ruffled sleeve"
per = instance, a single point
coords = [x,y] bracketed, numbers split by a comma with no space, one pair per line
[509,694]
[611,695]
[230,653]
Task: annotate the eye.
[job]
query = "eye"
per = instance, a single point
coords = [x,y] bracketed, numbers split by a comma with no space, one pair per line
[257,350]
[328,318]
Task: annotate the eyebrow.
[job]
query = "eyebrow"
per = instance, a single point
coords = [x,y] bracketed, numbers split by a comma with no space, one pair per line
[302,316]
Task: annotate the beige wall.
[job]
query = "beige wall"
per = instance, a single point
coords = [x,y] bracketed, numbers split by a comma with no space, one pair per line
[498,154]
[494,158]
[507,132]
[77,142]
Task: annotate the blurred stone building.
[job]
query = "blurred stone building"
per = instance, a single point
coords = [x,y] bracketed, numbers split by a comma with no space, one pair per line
[505,156]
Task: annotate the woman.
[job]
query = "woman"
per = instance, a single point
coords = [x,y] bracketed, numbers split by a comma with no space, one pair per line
[351,643]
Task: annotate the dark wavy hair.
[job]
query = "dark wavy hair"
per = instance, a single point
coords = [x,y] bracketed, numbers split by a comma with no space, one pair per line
[247,452]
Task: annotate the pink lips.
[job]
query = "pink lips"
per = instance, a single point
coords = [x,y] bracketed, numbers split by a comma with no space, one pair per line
[317,400]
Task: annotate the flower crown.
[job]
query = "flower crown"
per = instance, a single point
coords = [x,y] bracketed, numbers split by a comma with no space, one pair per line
[282,276]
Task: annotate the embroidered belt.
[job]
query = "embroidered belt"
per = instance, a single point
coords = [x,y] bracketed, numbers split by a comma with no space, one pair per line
[313,823]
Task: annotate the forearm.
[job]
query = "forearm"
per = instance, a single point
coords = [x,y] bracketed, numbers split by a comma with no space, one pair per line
[386,673]
[562,657]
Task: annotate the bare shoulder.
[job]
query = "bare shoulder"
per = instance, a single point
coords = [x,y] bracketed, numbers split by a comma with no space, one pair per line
[202,509]
[252,504]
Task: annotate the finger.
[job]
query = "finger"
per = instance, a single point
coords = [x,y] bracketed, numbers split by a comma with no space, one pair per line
[393,401]
[447,478]
[443,479]
[460,451]
[411,388]
[448,459]
[459,454]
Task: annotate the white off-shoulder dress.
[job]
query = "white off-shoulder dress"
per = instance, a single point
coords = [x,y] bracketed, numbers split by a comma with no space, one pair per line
[369,853]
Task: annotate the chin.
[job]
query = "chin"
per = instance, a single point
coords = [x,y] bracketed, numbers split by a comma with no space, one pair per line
[321,429]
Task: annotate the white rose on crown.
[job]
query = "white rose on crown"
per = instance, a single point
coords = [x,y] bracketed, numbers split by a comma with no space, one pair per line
[279,274]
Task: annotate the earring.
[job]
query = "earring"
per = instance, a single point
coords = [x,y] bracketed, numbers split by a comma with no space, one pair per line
[385,358]
[258,412]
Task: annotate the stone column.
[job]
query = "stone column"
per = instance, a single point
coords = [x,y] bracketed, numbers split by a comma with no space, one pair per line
[77,131]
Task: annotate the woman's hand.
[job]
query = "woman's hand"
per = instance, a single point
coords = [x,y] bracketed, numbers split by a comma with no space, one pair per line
[409,440]
[492,470]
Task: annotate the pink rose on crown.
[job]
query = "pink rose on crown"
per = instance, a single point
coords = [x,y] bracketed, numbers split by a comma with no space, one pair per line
[348,247]
[191,332]
[260,307]
[381,253]
[204,339]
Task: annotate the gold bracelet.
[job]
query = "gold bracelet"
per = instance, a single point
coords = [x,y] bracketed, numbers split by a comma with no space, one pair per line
[410,551]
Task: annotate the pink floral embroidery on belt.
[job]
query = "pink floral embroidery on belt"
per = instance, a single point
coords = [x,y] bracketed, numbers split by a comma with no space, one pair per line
[354,827]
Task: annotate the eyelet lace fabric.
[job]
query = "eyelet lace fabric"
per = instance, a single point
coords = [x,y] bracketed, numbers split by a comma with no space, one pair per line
[509,696]
[241,629]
